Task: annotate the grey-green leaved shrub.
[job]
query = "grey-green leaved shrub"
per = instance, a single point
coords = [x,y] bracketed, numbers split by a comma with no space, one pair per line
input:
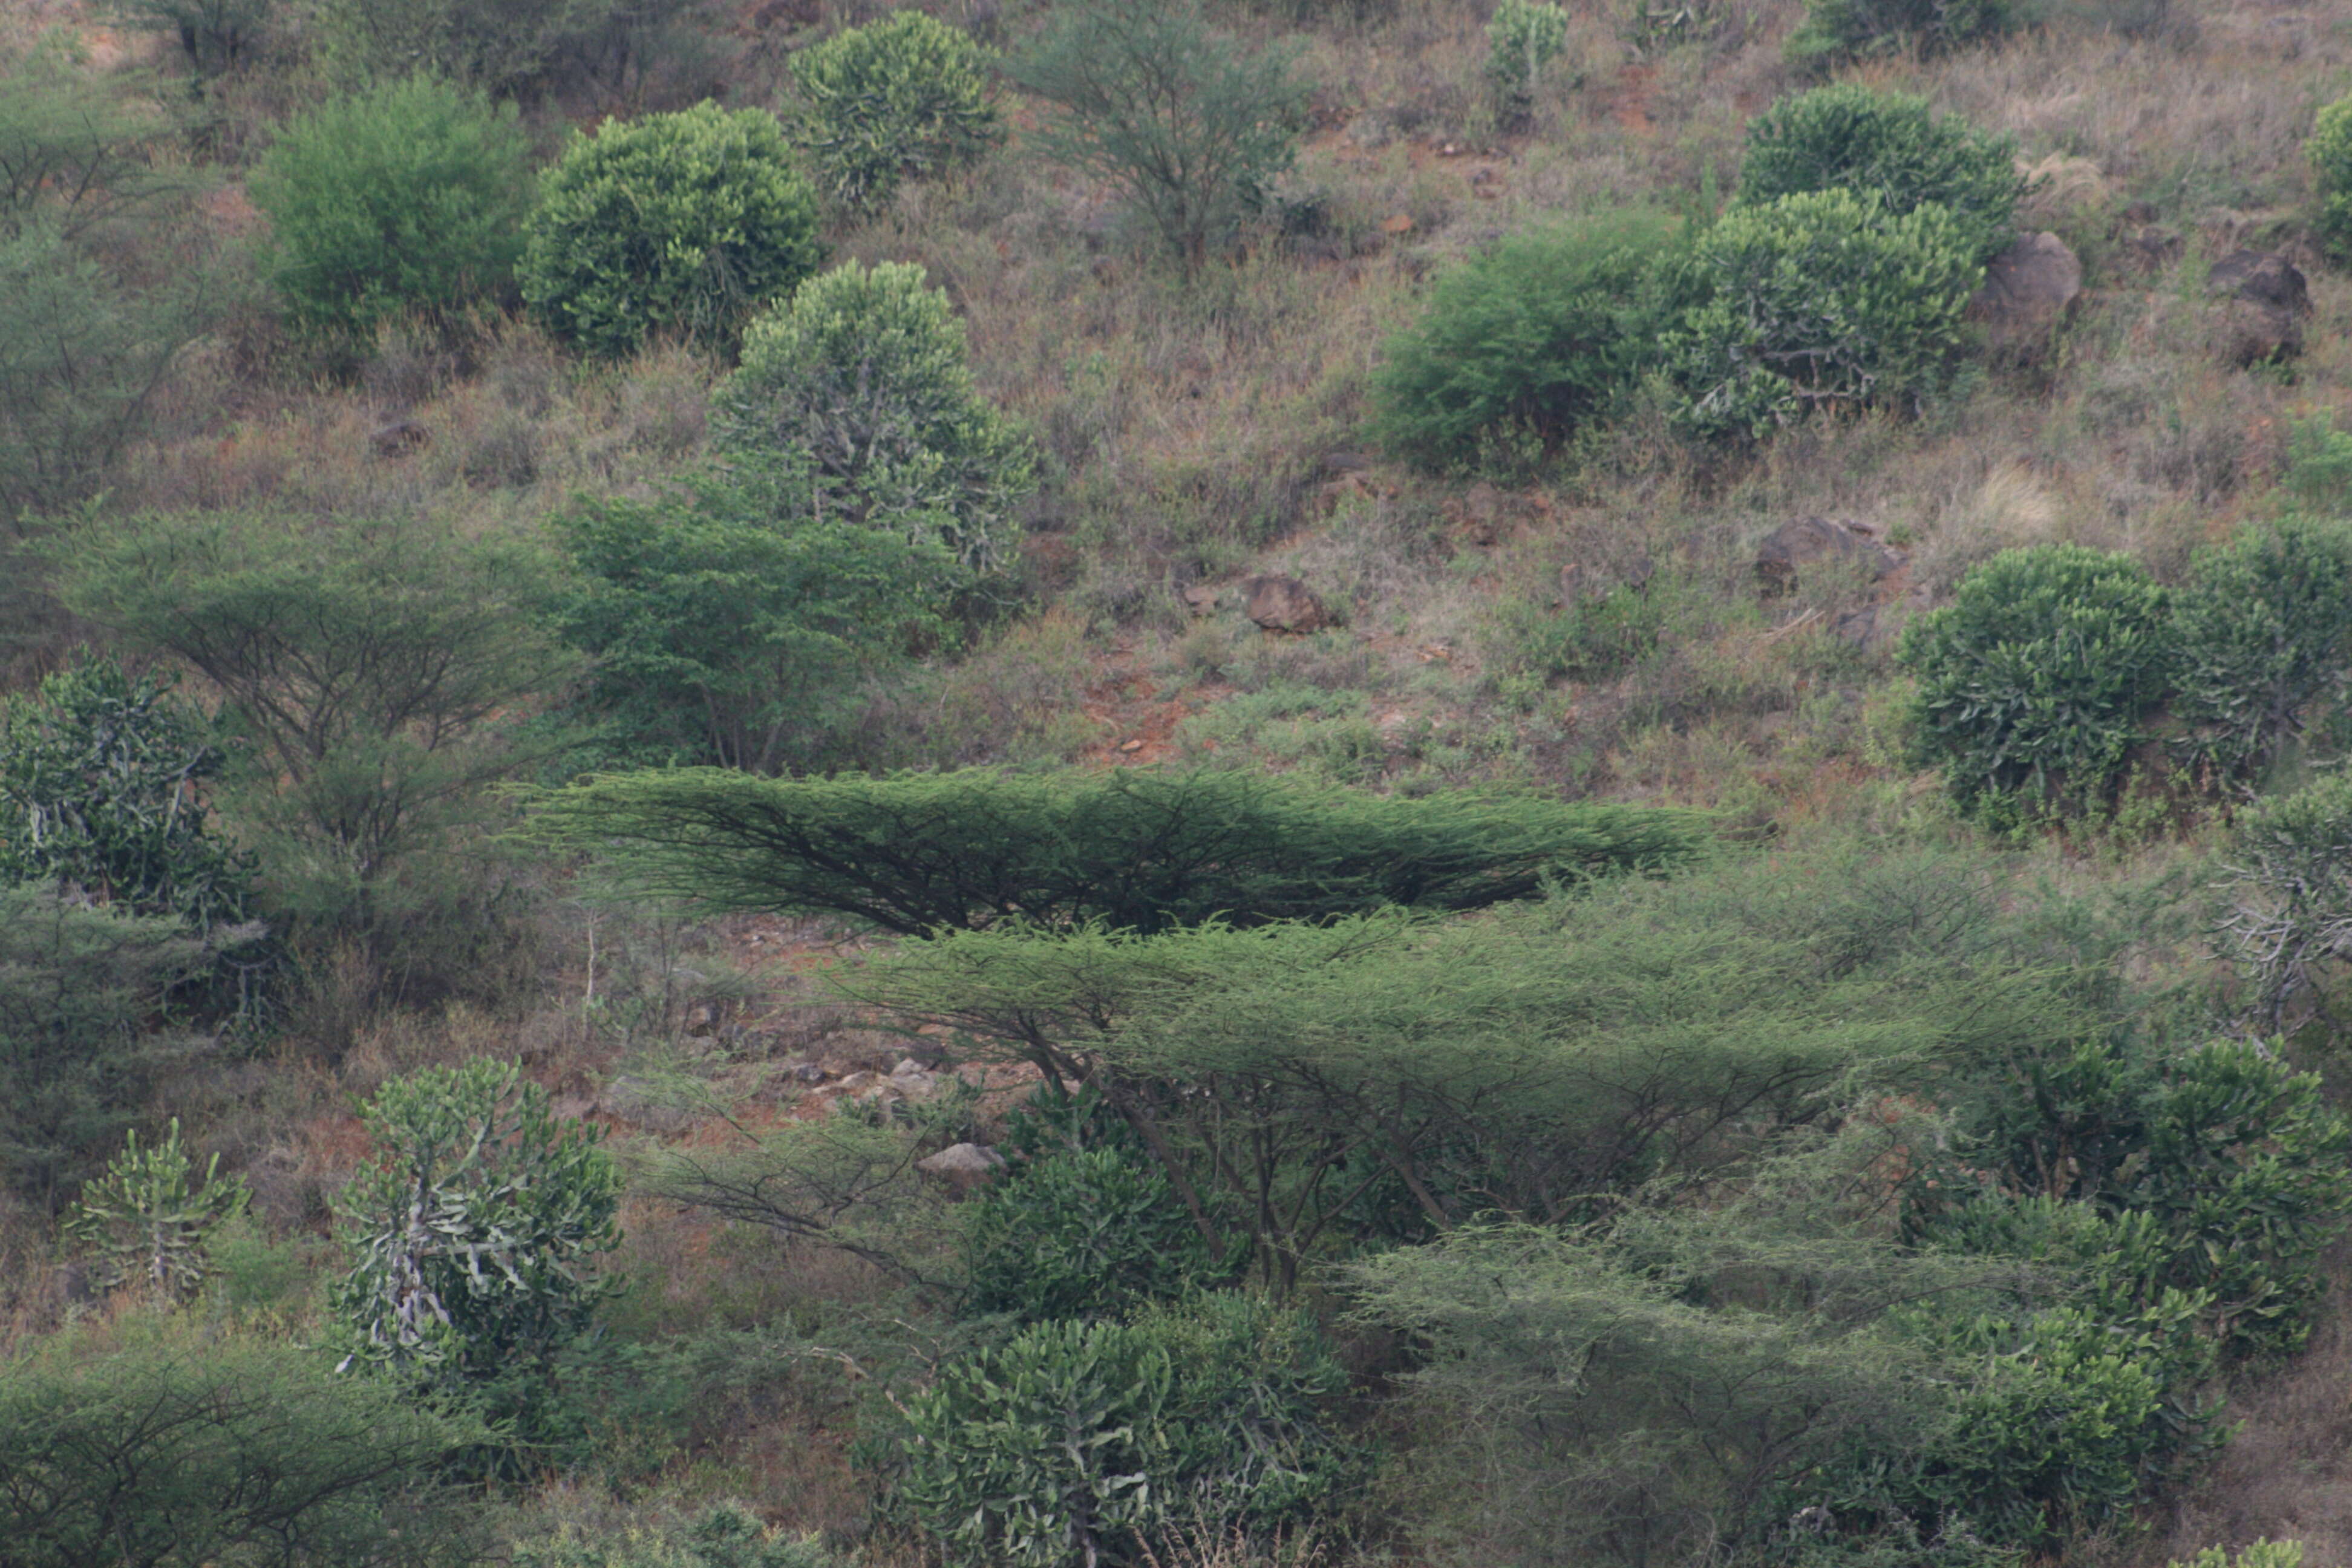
[147,1223]
[2035,680]
[867,370]
[900,97]
[1526,344]
[404,197]
[1822,302]
[684,223]
[2329,152]
[2264,630]
[1889,144]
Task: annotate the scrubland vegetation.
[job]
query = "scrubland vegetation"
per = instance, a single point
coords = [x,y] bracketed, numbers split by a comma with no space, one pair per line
[1073,783]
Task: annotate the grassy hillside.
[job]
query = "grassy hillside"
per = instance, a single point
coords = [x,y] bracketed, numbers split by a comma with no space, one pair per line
[1524,1041]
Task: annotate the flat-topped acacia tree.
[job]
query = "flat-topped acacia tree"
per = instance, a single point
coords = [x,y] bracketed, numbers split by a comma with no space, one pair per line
[1142,851]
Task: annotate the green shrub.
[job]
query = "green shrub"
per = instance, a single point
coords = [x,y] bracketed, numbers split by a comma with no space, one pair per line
[97,780]
[473,1232]
[1887,145]
[2034,683]
[2290,914]
[2264,629]
[2320,464]
[724,1535]
[2261,1554]
[1835,30]
[404,197]
[1079,1442]
[215,35]
[1083,1233]
[1525,37]
[186,1447]
[918,854]
[1190,125]
[80,991]
[2329,152]
[1525,343]
[146,1222]
[1822,302]
[682,223]
[726,619]
[497,46]
[901,98]
[867,370]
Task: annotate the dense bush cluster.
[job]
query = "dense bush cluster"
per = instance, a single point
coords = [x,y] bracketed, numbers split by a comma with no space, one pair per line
[906,96]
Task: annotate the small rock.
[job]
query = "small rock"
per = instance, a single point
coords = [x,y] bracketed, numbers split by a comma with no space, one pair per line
[1397,223]
[963,1165]
[2264,299]
[1201,599]
[700,1020]
[807,1072]
[2028,290]
[1130,745]
[1794,547]
[1281,604]
[1857,628]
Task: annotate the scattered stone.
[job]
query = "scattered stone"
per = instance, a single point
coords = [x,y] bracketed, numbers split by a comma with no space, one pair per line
[1201,599]
[914,1080]
[701,1020]
[2028,290]
[807,1072]
[2264,299]
[1281,604]
[1793,547]
[963,1165]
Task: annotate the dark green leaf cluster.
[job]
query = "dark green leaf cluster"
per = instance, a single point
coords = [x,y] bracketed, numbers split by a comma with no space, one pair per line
[866,372]
[101,782]
[1085,1232]
[2329,152]
[176,1450]
[405,197]
[1822,302]
[1190,125]
[1084,1443]
[1891,145]
[724,1535]
[472,1234]
[683,223]
[1835,30]
[2034,681]
[902,98]
[2264,631]
[1132,850]
[2289,918]
[1527,342]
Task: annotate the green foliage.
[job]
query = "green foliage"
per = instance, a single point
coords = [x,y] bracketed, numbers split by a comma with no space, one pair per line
[902,98]
[376,666]
[1191,126]
[1822,302]
[2319,465]
[914,853]
[404,197]
[1835,30]
[725,616]
[146,1221]
[1891,145]
[2263,630]
[2329,152]
[80,359]
[1525,37]
[79,988]
[497,46]
[217,35]
[181,1449]
[1525,343]
[74,149]
[684,223]
[2236,1160]
[2290,912]
[867,370]
[1078,1443]
[99,775]
[724,1535]
[2261,1554]
[2034,682]
[1083,1233]
[472,1238]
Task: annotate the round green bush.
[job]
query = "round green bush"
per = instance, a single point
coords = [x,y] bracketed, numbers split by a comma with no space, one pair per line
[2264,629]
[2033,680]
[1083,1234]
[1821,301]
[2329,152]
[683,223]
[1525,343]
[866,370]
[1889,144]
[903,98]
[405,197]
